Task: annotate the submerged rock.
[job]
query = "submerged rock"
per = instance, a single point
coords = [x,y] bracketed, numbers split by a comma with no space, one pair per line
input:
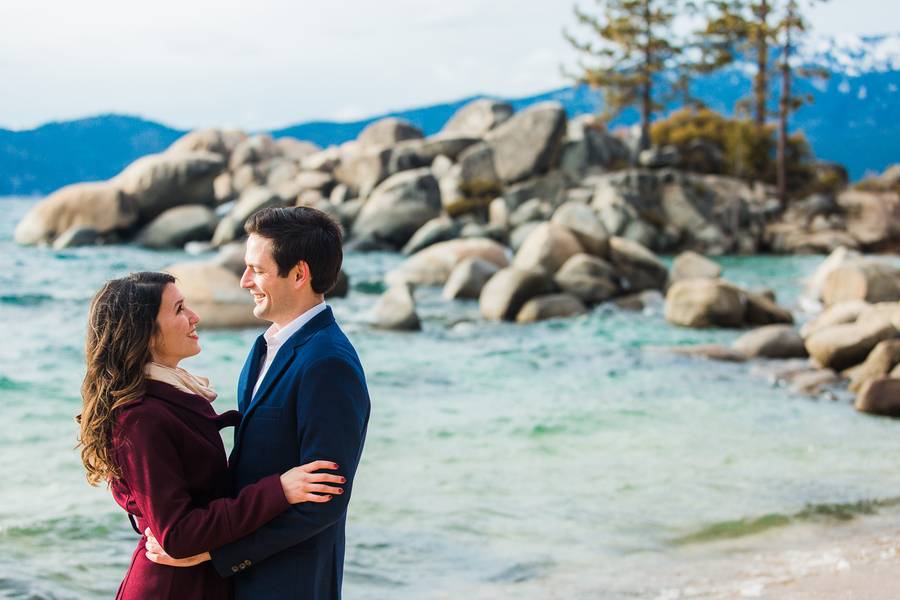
[772,341]
[178,226]
[550,306]
[468,278]
[704,303]
[880,397]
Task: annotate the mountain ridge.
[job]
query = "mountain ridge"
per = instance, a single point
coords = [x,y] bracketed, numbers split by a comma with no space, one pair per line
[851,122]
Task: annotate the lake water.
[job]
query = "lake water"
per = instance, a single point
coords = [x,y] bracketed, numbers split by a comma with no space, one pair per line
[500,458]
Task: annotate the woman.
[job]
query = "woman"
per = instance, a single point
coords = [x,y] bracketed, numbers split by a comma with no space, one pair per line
[148,429]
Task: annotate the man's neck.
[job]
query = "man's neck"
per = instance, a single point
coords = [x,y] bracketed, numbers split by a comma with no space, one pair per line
[301,308]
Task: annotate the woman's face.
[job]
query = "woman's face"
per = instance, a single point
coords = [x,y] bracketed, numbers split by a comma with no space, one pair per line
[176,338]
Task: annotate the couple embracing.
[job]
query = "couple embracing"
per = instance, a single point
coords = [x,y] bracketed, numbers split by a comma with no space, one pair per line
[269,521]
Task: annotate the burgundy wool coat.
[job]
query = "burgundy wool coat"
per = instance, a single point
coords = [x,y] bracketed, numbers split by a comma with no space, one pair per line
[175,480]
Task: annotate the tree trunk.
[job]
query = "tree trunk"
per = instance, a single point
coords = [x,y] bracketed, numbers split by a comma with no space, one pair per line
[784,106]
[646,91]
[761,81]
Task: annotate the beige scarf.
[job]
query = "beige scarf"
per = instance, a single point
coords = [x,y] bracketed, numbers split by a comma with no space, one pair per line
[180,379]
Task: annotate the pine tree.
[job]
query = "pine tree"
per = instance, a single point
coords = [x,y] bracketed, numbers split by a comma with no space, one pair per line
[792,26]
[743,27]
[635,46]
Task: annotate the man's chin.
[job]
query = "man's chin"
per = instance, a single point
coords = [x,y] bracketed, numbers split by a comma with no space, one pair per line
[259,311]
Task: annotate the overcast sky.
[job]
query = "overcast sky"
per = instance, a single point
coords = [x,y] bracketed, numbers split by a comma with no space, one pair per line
[269,63]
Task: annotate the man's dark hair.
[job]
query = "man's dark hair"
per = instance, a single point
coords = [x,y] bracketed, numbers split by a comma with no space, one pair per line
[302,233]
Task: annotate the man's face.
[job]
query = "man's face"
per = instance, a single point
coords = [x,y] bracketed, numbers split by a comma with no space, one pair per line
[275,297]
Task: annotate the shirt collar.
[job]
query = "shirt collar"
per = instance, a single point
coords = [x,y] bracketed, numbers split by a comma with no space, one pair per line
[275,337]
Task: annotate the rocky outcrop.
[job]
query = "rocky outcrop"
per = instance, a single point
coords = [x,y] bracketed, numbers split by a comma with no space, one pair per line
[586,225]
[388,132]
[98,206]
[158,182]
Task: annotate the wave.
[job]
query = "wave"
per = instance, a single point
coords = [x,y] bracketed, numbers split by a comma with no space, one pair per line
[812,512]
[25,299]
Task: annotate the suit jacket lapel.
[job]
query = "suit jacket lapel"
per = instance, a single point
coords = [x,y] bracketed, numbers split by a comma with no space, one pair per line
[249,374]
[285,356]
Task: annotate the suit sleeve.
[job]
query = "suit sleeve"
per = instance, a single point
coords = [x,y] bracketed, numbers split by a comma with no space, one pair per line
[332,413]
[153,468]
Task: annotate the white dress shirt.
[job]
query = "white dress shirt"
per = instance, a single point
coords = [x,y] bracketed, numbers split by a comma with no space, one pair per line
[275,337]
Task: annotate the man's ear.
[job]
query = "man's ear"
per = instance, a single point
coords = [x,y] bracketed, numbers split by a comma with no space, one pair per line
[301,274]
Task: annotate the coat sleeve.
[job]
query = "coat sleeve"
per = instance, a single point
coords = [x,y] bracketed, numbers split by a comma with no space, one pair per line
[332,413]
[154,471]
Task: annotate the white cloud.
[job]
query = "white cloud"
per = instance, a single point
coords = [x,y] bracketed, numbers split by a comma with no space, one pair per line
[271,63]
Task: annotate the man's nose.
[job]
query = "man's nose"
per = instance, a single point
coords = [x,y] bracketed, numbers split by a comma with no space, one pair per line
[246,280]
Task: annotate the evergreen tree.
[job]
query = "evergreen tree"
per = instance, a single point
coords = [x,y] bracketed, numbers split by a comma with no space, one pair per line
[791,27]
[634,46]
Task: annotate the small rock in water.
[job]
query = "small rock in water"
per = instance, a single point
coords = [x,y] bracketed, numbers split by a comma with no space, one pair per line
[396,310]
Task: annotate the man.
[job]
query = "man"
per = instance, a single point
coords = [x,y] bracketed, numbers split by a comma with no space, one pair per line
[303,397]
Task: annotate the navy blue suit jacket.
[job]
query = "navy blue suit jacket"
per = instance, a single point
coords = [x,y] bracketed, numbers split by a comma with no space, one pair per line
[312,405]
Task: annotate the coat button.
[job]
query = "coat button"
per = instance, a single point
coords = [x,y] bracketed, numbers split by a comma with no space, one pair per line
[247,562]
[234,569]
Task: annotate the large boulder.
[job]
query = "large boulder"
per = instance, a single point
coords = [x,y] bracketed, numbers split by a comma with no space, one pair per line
[468,278]
[509,289]
[433,265]
[364,169]
[550,306]
[158,182]
[762,310]
[867,280]
[398,207]
[387,132]
[588,145]
[295,149]
[478,117]
[772,341]
[881,361]
[637,266]
[98,206]
[396,309]
[704,303]
[880,397]
[254,199]
[253,150]
[77,236]
[547,248]
[836,259]
[178,226]
[873,218]
[439,229]
[529,142]
[842,346]
[838,314]
[472,182]
[588,278]
[690,265]
[207,140]
[215,294]
[584,223]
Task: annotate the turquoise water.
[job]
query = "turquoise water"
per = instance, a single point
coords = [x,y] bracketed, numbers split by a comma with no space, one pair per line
[498,455]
